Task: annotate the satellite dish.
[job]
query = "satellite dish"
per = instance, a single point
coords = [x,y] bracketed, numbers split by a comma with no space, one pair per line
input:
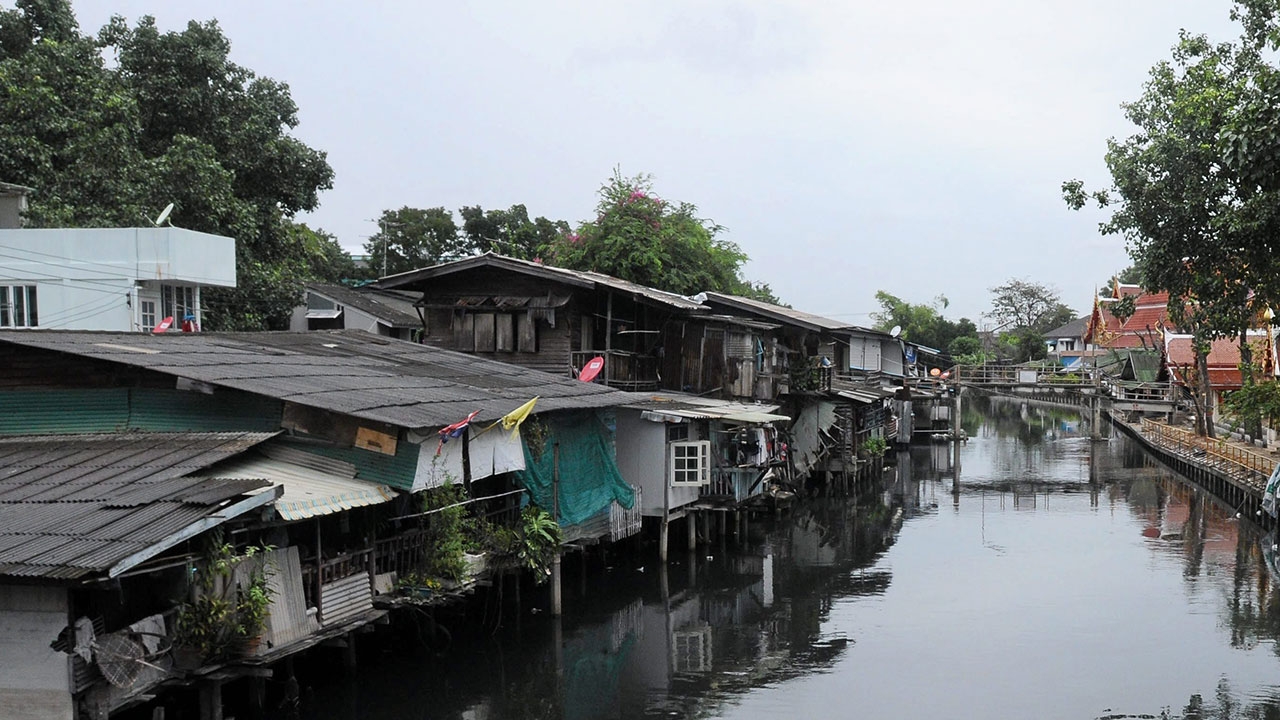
[164,215]
[120,659]
[895,331]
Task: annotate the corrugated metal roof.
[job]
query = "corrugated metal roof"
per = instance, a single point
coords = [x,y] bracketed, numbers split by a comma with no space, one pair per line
[785,315]
[395,309]
[677,407]
[75,505]
[313,485]
[348,371]
[418,279]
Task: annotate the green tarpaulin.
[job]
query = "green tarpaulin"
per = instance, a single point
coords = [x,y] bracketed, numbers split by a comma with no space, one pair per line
[589,477]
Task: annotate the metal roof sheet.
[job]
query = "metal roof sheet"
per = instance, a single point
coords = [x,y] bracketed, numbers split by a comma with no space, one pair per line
[313,485]
[579,278]
[394,309]
[777,313]
[348,371]
[676,407]
[75,505]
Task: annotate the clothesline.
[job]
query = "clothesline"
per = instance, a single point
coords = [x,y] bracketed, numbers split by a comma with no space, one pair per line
[458,504]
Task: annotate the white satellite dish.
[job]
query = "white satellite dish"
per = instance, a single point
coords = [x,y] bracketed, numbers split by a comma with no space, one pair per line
[895,331]
[164,215]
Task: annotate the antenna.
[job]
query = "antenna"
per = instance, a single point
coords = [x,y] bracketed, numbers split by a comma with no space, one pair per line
[895,331]
[163,216]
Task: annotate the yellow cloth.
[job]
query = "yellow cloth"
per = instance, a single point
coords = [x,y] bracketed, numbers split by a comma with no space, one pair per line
[517,416]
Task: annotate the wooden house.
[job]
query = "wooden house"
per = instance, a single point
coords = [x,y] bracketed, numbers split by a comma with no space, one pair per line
[119,452]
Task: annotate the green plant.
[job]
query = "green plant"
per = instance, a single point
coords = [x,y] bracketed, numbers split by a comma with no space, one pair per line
[446,542]
[537,541]
[875,447]
[535,434]
[225,615]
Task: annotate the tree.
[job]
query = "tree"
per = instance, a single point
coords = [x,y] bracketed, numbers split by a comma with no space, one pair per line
[412,238]
[924,324]
[1195,191]
[510,232]
[172,120]
[640,237]
[1027,310]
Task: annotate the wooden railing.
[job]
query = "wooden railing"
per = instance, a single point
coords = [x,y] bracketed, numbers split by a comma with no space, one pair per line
[622,370]
[1239,462]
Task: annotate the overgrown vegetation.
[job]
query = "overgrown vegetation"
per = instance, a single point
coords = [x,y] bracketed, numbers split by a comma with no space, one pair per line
[875,447]
[454,531]
[225,616]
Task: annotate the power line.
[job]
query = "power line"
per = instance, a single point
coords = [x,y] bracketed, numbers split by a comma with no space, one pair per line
[66,259]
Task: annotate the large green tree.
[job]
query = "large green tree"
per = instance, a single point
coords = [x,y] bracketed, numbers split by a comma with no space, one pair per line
[171,119]
[510,232]
[925,325]
[1025,311]
[641,237]
[1195,190]
[412,238]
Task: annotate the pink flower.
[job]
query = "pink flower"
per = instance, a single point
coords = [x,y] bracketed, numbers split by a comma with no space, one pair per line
[573,238]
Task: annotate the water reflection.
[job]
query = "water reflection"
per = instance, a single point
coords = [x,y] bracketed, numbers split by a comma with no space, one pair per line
[1030,573]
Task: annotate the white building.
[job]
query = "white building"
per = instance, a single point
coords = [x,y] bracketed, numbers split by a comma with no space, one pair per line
[123,279]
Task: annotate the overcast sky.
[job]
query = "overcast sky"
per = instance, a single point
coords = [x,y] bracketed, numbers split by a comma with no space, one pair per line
[848,147]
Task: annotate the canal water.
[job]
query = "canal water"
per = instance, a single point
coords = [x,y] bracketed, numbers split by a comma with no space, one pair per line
[1033,574]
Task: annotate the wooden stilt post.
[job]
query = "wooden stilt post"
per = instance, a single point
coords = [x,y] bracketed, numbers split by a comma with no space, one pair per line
[211,700]
[556,607]
[349,652]
[257,694]
[663,533]
[691,524]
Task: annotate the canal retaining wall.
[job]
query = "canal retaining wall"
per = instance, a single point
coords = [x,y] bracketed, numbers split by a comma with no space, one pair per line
[1243,494]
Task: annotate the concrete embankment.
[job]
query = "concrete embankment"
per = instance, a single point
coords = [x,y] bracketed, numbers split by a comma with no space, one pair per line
[1237,482]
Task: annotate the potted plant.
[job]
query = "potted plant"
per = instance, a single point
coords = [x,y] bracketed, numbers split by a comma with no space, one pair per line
[222,617]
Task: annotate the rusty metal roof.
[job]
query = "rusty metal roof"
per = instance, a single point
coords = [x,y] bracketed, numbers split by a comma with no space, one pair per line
[347,371]
[420,279]
[76,505]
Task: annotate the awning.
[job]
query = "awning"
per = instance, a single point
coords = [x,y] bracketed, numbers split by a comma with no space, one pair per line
[324,314]
[869,395]
[313,485]
[761,414]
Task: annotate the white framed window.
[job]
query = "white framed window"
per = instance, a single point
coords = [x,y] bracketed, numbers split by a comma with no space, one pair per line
[147,311]
[18,306]
[690,463]
[178,302]
[691,650]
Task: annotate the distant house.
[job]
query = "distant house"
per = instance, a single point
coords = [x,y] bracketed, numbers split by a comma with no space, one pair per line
[1066,343]
[121,279]
[330,306]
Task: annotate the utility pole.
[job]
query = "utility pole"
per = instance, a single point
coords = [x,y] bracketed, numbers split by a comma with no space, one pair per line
[383,224]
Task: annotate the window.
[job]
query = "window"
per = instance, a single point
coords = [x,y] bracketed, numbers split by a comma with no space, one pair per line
[18,306]
[690,463]
[179,301]
[691,650]
[147,310]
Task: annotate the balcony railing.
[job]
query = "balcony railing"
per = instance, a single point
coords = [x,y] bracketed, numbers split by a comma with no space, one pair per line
[623,370]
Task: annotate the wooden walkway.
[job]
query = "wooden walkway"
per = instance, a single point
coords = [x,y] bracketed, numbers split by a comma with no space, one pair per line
[1241,463]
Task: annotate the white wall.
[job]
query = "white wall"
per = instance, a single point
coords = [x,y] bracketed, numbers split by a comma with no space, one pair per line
[642,460]
[85,277]
[35,679]
[165,253]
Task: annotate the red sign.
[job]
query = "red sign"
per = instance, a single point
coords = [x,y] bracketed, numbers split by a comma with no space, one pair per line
[164,325]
